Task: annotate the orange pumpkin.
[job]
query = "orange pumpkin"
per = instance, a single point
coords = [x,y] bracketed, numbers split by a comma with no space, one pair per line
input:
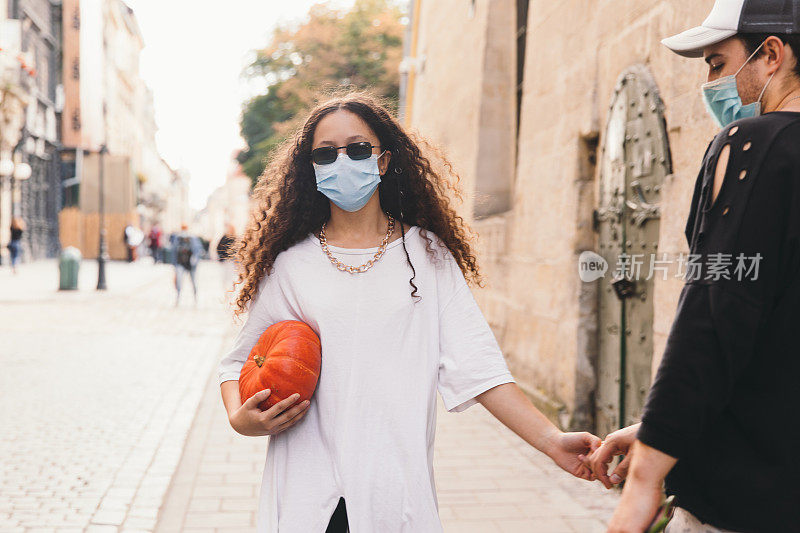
[286,359]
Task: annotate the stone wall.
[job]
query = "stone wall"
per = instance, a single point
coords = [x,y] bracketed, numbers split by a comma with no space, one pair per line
[575,52]
[464,94]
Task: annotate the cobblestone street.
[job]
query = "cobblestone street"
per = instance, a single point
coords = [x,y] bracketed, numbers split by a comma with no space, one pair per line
[111,420]
[99,392]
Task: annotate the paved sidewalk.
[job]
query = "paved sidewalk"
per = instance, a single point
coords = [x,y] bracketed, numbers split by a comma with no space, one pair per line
[488,479]
[99,391]
[215,487]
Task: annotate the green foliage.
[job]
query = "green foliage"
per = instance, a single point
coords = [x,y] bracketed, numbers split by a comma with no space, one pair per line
[259,116]
[360,47]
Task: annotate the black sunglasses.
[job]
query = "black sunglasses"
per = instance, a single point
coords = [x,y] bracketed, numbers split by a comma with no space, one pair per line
[326,155]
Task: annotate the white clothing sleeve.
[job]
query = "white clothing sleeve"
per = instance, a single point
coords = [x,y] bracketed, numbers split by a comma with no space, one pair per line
[470,360]
[258,320]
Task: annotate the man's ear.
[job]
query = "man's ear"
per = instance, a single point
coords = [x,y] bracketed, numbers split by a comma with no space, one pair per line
[775,51]
[383,162]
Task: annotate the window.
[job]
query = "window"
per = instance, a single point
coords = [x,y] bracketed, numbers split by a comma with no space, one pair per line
[71,193]
[522,33]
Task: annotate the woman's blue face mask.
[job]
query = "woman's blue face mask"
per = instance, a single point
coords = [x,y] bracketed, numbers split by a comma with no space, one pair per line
[348,183]
[723,101]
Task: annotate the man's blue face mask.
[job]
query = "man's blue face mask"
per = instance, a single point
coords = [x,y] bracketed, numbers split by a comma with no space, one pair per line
[723,101]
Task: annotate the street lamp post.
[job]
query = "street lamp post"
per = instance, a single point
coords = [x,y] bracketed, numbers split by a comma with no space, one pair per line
[102,254]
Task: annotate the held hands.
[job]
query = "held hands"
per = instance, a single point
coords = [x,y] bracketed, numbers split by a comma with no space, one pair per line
[251,421]
[568,449]
[585,456]
[642,495]
[617,443]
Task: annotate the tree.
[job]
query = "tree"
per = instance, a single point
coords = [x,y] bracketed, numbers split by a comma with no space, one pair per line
[259,117]
[360,47]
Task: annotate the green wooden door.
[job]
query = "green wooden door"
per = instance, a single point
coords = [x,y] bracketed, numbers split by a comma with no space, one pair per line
[634,162]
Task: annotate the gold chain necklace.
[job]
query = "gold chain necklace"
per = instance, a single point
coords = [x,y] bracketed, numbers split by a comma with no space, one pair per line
[366,266]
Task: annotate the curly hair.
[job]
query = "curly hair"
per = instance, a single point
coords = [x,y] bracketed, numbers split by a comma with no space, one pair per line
[414,190]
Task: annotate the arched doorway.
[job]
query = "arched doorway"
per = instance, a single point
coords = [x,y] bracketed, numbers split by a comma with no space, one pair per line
[634,161]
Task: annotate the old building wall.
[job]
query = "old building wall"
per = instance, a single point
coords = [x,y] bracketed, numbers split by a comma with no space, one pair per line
[496,153]
[575,52]
[569,83]
[448,84]
[79,224]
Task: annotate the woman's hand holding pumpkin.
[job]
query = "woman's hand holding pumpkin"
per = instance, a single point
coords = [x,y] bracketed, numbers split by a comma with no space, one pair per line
[251,421]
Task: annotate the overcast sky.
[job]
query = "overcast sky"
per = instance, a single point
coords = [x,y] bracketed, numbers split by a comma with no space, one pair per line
[194,53]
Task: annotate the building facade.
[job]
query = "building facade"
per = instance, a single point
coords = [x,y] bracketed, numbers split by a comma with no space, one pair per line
[573,130]
[31,66]
[178,211]
[106,103]
[229,204]
[14,96]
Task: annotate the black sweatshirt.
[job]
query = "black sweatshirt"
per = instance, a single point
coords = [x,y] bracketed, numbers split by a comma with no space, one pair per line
[726,398]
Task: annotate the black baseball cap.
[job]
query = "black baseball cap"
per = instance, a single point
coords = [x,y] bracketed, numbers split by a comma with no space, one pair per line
[729,17]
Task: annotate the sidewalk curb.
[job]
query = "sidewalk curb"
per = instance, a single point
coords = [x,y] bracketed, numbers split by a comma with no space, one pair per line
[174,507]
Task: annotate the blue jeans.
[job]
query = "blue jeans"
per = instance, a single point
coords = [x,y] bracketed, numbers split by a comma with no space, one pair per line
[15,247]
[180,270]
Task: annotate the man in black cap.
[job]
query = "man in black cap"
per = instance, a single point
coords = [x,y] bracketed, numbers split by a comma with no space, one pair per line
[722,418]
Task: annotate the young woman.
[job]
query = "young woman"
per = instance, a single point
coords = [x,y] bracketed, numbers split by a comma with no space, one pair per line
[15,244]
[355,236]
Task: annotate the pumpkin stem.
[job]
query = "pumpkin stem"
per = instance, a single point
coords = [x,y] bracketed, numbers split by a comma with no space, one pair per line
[259,359]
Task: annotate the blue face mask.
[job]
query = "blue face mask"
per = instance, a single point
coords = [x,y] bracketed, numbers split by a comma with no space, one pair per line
[723,101]
[348,183]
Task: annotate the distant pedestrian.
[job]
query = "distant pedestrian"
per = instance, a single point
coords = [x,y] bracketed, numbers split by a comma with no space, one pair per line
[133,238]
[15,244]
[154,242]
[186,252]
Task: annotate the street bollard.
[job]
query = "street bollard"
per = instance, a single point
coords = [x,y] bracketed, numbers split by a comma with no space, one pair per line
[69,263]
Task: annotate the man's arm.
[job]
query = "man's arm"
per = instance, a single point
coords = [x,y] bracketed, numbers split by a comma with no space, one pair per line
[642,493]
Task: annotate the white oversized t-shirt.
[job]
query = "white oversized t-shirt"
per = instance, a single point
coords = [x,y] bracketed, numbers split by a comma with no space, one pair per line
[369,431]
